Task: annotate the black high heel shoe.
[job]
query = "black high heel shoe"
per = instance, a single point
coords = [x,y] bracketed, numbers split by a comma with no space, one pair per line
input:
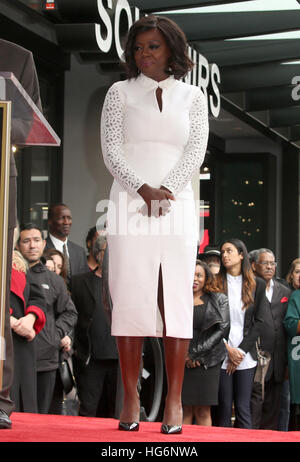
[129,426]
[171,429]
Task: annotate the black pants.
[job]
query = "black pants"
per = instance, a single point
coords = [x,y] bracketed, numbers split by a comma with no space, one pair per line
[235,388]
[92,382]
[265,413]
[56,406]
[45,389]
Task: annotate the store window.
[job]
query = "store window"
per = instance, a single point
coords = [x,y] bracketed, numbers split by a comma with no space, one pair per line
[206,211]
[245,205]
[40,167]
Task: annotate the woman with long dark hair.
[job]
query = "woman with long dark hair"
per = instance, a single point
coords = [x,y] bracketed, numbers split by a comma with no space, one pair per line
[154,137]
[247,303]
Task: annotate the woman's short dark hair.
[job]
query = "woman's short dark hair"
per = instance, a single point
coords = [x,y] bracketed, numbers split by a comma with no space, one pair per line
[210,284]
[179,63]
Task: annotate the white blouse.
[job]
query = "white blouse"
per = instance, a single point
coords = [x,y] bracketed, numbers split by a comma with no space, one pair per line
[59,244]
[237,319]
[269,291]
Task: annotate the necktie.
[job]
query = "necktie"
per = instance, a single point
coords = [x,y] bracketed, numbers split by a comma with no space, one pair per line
[67,261]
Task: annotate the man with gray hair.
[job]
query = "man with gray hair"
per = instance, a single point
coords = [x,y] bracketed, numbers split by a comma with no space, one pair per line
[265,412]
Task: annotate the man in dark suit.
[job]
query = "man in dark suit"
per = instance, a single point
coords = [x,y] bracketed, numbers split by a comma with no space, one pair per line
[59,225]
[95,357]
[19,61]
[265,412]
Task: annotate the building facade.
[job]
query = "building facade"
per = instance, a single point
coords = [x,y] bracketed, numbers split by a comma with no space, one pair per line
[249,184]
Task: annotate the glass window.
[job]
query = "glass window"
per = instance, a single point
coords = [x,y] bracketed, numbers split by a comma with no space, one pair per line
[244,199]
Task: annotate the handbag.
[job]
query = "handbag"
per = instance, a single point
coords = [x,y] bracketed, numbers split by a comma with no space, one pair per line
[66,375]
[263,362]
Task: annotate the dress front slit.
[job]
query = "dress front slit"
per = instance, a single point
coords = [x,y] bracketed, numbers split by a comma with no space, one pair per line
[160,299]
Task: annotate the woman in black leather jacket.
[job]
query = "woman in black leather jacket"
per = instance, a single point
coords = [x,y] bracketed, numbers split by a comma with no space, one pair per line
[207,349]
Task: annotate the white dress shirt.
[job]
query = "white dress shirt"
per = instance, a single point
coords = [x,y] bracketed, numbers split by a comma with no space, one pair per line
[269,291]
[237,318]
[59,245]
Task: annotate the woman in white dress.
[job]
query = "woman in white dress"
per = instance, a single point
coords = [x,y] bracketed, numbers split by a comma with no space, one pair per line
[154,131]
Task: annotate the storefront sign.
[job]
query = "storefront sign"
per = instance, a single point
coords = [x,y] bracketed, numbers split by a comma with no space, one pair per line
[105,29]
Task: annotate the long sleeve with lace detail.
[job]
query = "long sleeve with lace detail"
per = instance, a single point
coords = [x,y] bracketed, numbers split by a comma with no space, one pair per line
[112,141]
[195,149]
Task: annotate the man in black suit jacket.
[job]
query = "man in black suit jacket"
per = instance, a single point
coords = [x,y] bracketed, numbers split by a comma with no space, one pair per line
[265,413]
[59,225]
[19,61]
[95,357]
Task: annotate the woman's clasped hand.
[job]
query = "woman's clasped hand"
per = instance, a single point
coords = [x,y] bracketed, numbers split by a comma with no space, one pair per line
[157,201]
[190,363]
[235,357]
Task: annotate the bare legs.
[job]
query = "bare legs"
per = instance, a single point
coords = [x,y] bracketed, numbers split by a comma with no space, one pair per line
[201,413]
[175,356]
[130,355]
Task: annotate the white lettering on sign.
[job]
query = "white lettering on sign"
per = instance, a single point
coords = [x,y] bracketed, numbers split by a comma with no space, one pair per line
[104,44]
[296,89]
[215,79]
[296,349]
[203,73]
[121,5]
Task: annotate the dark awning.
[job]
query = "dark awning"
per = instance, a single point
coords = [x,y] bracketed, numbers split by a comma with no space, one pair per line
[254,80]
[252,43]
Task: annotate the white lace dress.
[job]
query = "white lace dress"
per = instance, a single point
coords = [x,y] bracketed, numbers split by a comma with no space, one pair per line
[141,144]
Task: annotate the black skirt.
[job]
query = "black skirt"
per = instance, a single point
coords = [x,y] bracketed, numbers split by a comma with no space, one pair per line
[201,386]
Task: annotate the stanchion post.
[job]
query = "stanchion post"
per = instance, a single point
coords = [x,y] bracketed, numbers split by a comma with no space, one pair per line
[5,146]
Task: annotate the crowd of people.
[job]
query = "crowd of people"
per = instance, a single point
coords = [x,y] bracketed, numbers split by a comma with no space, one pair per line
[60,304]
[59,312]
[57,316]
[264,316]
